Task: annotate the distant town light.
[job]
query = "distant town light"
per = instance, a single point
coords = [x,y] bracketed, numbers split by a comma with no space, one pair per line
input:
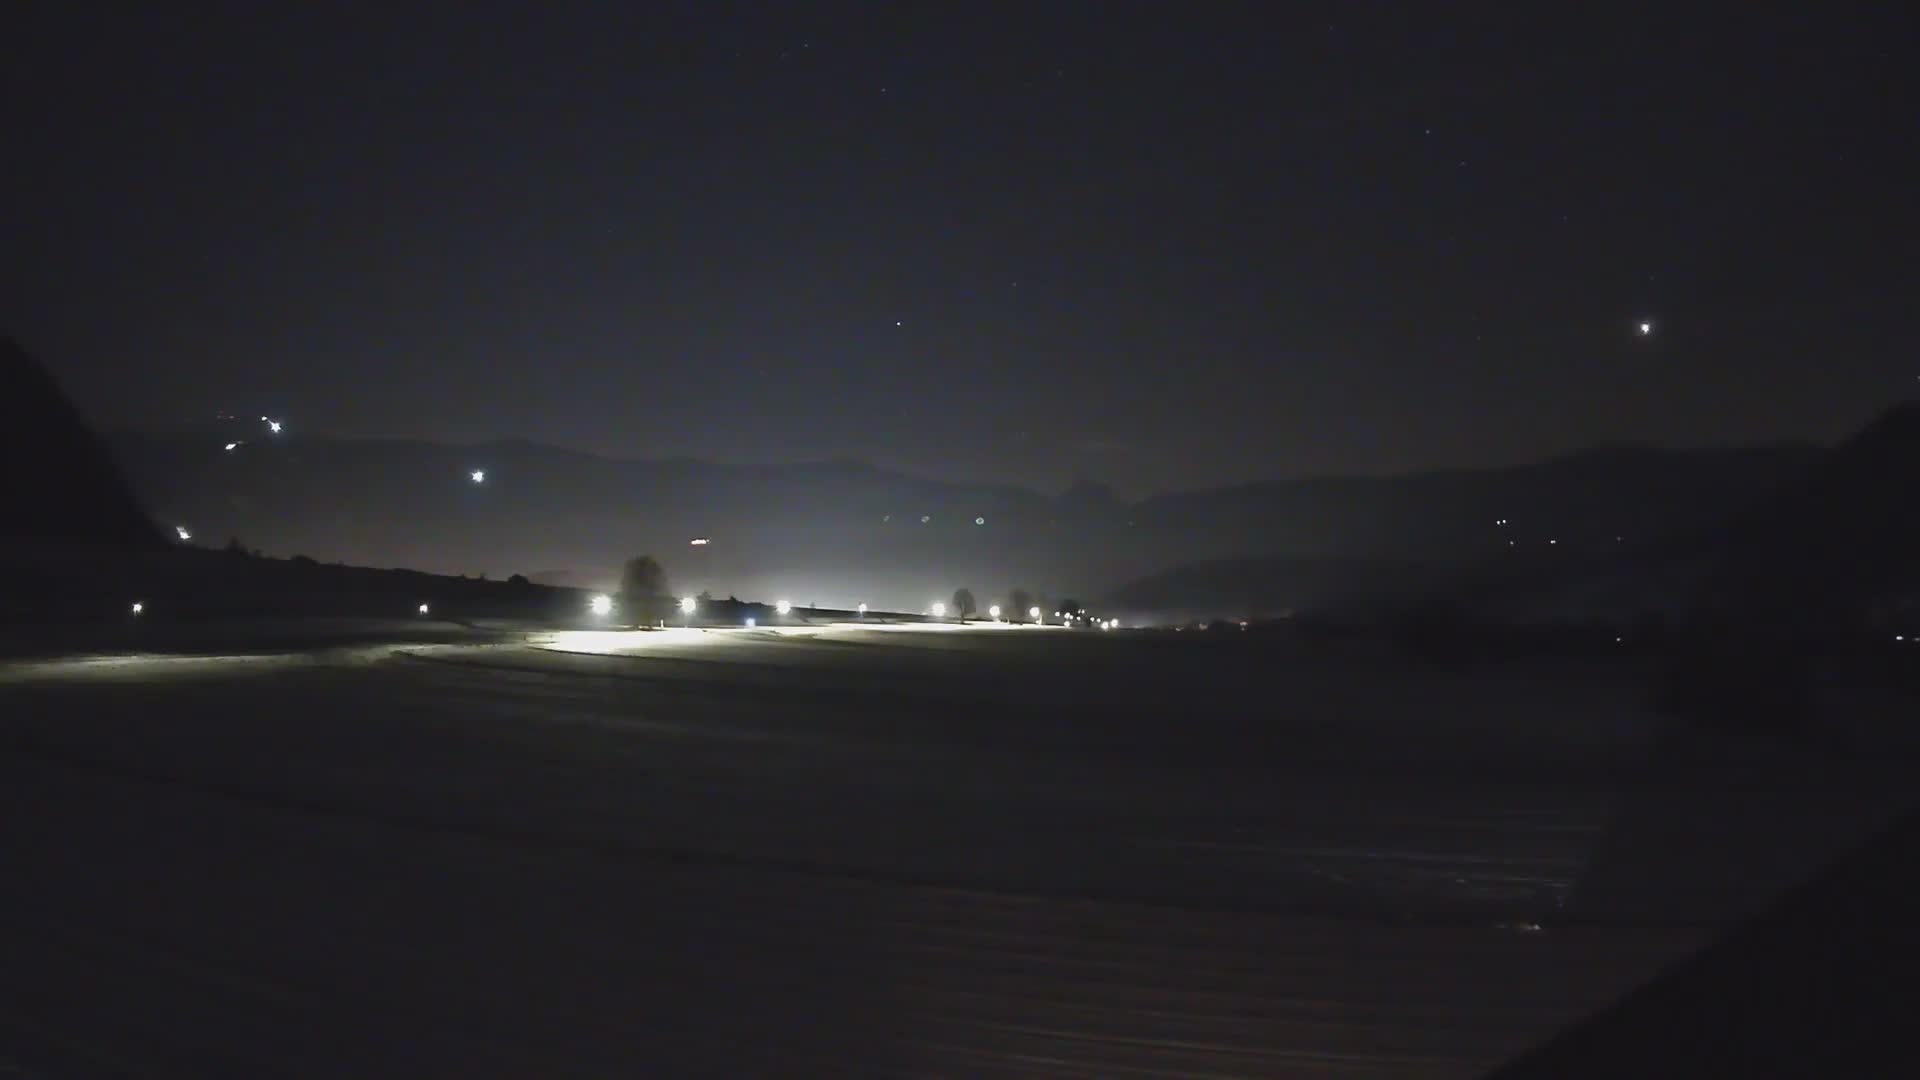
[478,476]
[687,604]
[698,541]
[423,609]
[782,607]
[138,607]
[181,532]
[601,604]
[993,611]
[939,610]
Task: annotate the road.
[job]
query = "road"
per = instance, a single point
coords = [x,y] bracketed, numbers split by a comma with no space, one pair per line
[855,850]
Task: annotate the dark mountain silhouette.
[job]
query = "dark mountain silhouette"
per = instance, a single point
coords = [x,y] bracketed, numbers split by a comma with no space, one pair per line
[1266,587]
[844,532]
[62,489]
[1843,538]
[1830,546]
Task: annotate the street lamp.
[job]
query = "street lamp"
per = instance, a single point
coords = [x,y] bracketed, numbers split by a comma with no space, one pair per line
[939,610]
[601,604]
[687,604]
[423,609]
[138,607]
[993,612]
[782,607]
[1033,613]
[863,609]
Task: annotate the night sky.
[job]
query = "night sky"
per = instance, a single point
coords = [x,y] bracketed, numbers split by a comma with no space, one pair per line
[1161,245]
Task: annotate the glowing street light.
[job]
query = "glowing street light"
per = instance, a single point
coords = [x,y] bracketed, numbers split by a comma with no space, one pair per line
[601,604]
[1646,329]
[993,612]
[939,610]
[687,604]
[1033,613]
[782,607]
[478,476]
[863,609]
[138,607]
[181,532]
[424,609]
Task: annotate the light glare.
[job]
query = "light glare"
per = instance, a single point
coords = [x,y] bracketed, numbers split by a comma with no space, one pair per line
[687,604]
[939,610]
[601,604]
[782,607]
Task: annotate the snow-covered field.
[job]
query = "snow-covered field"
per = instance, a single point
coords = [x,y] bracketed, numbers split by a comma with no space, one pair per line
[929,850]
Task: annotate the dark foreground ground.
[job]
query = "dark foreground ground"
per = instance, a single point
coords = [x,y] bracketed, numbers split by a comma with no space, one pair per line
[907,851]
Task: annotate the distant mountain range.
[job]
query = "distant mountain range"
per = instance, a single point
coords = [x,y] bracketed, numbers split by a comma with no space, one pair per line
[842,532]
